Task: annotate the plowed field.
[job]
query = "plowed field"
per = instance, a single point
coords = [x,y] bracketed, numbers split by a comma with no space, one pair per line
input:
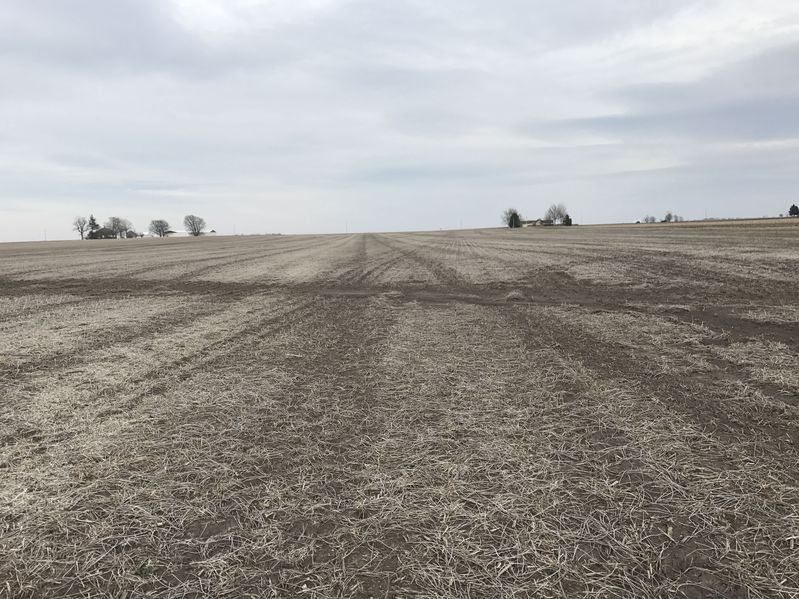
[548,412]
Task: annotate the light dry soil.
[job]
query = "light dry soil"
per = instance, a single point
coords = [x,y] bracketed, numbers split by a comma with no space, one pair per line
[552,412]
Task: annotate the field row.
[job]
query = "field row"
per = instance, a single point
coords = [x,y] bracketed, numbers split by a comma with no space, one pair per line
[400,416]
[751,261]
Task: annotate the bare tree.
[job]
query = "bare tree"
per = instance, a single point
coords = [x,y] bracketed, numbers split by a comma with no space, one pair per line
[556,213]
[512,218]
[80,224]
[194,225]
[159,227]
[119,226]
[650,219]
[114,224]
[668,218]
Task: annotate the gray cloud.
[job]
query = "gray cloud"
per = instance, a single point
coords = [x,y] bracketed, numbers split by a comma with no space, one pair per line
[85,33]
[743,120]
[755,99]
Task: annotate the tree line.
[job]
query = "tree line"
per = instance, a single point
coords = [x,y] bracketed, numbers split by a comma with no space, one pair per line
[668,218]
[555,214]
[121,228]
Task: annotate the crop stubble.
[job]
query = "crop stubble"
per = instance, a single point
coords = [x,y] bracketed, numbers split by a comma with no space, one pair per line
[595,412]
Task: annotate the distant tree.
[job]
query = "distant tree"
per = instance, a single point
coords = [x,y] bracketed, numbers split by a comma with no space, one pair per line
[512,218]
[650,219]
[194,225]
[93,227]
[556,213]
[119,226]
[793,210]
[159,227]
[668,218]
[80,224]
[114,224]
[567,221]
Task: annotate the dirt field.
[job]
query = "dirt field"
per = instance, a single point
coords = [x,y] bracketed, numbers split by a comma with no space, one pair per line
[583,412]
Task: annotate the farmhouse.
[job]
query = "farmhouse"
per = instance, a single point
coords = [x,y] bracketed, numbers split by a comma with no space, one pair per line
[171,233]
[538,223]
[102,233]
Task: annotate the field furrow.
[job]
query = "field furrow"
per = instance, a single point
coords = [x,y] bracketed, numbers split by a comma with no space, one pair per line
[547,412]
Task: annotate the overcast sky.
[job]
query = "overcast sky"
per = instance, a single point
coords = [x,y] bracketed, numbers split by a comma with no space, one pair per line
[302,116]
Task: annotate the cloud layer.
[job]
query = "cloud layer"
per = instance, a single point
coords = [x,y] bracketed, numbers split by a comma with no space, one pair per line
[316,115]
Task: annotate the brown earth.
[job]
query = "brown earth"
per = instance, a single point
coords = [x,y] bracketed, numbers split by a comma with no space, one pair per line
[582,412]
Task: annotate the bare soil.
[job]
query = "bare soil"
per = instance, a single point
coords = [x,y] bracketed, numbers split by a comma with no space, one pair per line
[582,412]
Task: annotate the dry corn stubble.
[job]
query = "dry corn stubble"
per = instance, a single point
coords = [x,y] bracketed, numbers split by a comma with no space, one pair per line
[594,412]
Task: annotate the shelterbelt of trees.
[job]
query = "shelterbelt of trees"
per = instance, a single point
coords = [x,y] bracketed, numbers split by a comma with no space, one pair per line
[121,228]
